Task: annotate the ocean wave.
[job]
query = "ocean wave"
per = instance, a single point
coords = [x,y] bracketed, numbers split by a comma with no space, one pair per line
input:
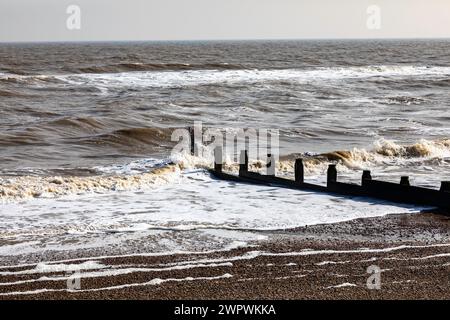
[208,77]
[7,78]
[423,153]
[10,93]
[147,173]
[404,100]
[127,67]
[383,152]
[26,187]
[79,122]
[89,130]
[133,136]
[104,77]
[20,139]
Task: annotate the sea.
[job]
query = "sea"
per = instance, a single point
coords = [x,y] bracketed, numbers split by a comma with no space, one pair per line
[86,150]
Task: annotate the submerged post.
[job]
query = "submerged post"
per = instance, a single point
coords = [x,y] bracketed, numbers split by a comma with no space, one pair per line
[192,138]
[270,165]
[404,181]
[218,159]
[243,162]
[366,176]
[299,171]
[331,174]
[445,186]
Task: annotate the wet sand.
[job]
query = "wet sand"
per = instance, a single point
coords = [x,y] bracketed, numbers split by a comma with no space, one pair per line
[329,261]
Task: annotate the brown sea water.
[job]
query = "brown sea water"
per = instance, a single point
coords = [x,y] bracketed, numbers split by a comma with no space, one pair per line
[84,105]
[85,136]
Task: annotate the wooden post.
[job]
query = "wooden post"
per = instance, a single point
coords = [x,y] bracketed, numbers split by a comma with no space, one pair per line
[366,176]
[299,171]
[404,181]
[445,186]
[243,162]
[270,165]
[331,174]
[218,160]
[192,142]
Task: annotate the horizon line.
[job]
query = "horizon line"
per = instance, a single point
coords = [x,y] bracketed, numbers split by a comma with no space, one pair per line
[220,40]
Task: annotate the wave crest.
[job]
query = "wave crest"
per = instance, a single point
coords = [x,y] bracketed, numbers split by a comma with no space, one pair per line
[146,174]
[25,187]
[386,152]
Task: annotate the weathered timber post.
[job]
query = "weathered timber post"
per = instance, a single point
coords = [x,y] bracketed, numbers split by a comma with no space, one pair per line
[218,159]
[366,176]
[243,162]
[404,181]
[299,171]
[331,174]
[270,165]
[192,140]
[445,186]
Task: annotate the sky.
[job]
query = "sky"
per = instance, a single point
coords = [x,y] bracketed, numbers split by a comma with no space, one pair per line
[119,20]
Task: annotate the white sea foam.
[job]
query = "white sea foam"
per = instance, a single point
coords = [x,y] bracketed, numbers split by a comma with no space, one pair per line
[158,79]
[197,204]
[151,173]
[343,285]
[116,270]
[203,77]
[435,256]
[88,212]
[442,255]
[111,271]
[324,263]
[250,255]
[25,187]
[232,246]
[54,268]
[153,282]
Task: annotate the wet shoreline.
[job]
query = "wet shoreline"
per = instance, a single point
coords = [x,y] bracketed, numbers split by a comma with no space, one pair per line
[327,261]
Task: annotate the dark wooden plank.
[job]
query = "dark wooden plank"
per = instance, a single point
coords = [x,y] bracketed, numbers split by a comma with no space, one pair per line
[381,190]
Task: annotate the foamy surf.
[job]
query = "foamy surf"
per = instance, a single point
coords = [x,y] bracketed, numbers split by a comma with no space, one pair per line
[161,79]
[384,156]
[387,151]
[198,213]
[26,187]
[104,82]
[150,173]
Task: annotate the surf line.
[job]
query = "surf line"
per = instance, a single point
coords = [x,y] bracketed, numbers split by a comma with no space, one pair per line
[402,193]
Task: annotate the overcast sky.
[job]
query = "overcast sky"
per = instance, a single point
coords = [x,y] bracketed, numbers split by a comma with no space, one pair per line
[103,20]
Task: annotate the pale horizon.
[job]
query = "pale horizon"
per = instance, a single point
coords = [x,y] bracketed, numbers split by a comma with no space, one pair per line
[218,20]
[224,40]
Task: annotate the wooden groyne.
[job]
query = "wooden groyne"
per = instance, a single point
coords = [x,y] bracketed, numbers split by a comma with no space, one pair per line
[369,188]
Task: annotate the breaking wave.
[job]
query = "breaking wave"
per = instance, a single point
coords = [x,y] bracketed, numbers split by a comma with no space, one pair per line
[26,187]
[148,173]
[384,152]
[174,75]
[150,136]
[214,76]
